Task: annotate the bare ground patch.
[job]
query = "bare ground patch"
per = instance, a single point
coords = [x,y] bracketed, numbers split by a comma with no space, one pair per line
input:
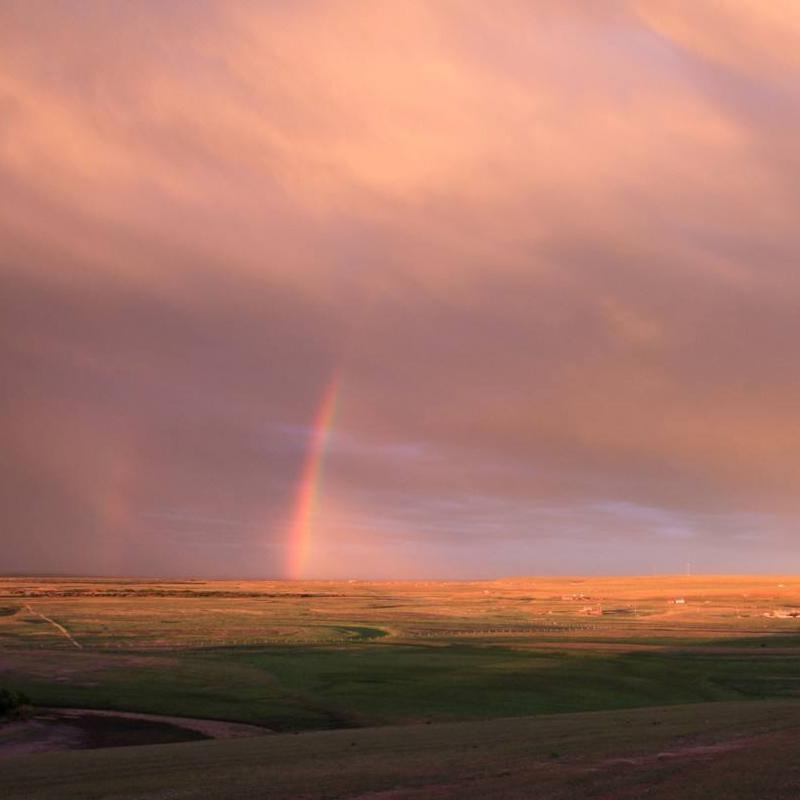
[86,729]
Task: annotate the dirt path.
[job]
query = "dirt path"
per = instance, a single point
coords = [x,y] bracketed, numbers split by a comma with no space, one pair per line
[53,729]
[58,625]
[687,752]
[214,728]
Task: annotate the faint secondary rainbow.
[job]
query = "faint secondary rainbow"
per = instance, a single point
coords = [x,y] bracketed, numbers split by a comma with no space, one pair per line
[308,488]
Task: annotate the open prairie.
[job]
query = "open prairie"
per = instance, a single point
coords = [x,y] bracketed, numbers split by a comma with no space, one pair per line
[315,656]
[374,297]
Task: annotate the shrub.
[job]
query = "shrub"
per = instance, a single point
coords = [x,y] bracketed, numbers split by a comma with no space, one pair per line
[12,703]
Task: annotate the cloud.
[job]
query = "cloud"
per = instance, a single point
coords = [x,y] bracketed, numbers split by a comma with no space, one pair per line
[550,247]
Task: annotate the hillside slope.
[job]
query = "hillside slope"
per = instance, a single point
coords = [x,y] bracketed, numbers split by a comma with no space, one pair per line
[739,750]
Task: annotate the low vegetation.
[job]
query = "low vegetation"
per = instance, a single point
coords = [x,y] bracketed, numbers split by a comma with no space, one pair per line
[736,751]
[13,704]
[318,656]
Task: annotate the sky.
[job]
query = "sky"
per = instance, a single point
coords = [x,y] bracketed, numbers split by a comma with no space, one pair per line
[399,288]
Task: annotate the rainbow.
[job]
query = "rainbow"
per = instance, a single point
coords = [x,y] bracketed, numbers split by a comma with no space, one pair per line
[308,488]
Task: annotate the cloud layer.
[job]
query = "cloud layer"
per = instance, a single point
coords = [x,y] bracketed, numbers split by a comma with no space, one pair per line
[551,248]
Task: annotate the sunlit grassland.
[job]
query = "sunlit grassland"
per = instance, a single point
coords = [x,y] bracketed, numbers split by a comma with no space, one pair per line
[298,656]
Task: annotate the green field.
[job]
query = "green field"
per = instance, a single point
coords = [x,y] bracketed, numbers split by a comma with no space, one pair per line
[317,656]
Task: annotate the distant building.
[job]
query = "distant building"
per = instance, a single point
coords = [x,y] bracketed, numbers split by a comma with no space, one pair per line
[783,613]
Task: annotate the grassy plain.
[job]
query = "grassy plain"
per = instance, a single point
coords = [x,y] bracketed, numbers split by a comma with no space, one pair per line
[311,656]
[710,751]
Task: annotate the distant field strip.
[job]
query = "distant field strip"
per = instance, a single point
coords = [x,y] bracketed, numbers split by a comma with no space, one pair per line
[433,633]
[58,625]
